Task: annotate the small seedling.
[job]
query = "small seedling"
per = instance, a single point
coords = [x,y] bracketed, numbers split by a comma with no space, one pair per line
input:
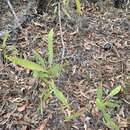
[66,5]
[4,37]
[103,104]
[46,73]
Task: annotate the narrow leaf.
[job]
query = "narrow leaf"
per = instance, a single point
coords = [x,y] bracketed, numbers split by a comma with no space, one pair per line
[78,7]
[41,75]
[38,58]
[5,37]
[66,3]
[109,122]
[55,70]
[106,116]
[59,95]
[50,47]
[66,13]
[40,108]
[45,95]
[114,125]
[100,104]
[26,64]
[72,117]
[43,98]
[111,104]
[115,91]
[99,92]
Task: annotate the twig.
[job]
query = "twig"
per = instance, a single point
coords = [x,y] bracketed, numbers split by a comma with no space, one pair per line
[61,33]
[13,12]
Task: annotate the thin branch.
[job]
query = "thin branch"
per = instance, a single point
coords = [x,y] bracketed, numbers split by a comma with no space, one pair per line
[61,32]
[13,12]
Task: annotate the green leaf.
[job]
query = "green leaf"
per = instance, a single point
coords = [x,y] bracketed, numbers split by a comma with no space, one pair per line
[40,108]
[55,70]
[46,94]
[109,122]
[59,94]
[78,6]
[65,9]
[5,37]
[99,92]
[114,125]
[115,91]
[106,116]
[66,3]
[43,98]
[50,47]
[66,13]
[38,58]
[41,75]
[111,104]
[72,117]
[25,63]
[100,104]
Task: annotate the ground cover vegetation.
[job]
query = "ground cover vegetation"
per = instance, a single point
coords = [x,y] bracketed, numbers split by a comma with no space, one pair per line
[65,65]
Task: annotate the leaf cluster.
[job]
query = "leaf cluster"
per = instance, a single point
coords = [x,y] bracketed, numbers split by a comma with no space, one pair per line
[47,73]
[103,104]
[78,7]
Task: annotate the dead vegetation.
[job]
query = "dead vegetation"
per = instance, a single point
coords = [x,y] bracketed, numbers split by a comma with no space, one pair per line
[96,50]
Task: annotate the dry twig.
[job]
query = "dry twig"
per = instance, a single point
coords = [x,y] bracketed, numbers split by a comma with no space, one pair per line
[61,32]
[13,12]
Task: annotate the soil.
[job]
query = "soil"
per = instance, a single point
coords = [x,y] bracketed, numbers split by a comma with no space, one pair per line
[97,50]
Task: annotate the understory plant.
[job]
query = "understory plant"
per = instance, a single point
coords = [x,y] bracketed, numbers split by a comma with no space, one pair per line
[106,103]
[78,6]
[46,72]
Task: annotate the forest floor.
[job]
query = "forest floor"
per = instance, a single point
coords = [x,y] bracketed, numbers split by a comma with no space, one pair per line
[97,50]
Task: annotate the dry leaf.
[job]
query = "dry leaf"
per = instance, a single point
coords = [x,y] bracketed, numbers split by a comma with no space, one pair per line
[23,107]
[44,123]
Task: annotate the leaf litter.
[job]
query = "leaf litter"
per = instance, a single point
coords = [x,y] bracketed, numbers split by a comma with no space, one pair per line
[88,63]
